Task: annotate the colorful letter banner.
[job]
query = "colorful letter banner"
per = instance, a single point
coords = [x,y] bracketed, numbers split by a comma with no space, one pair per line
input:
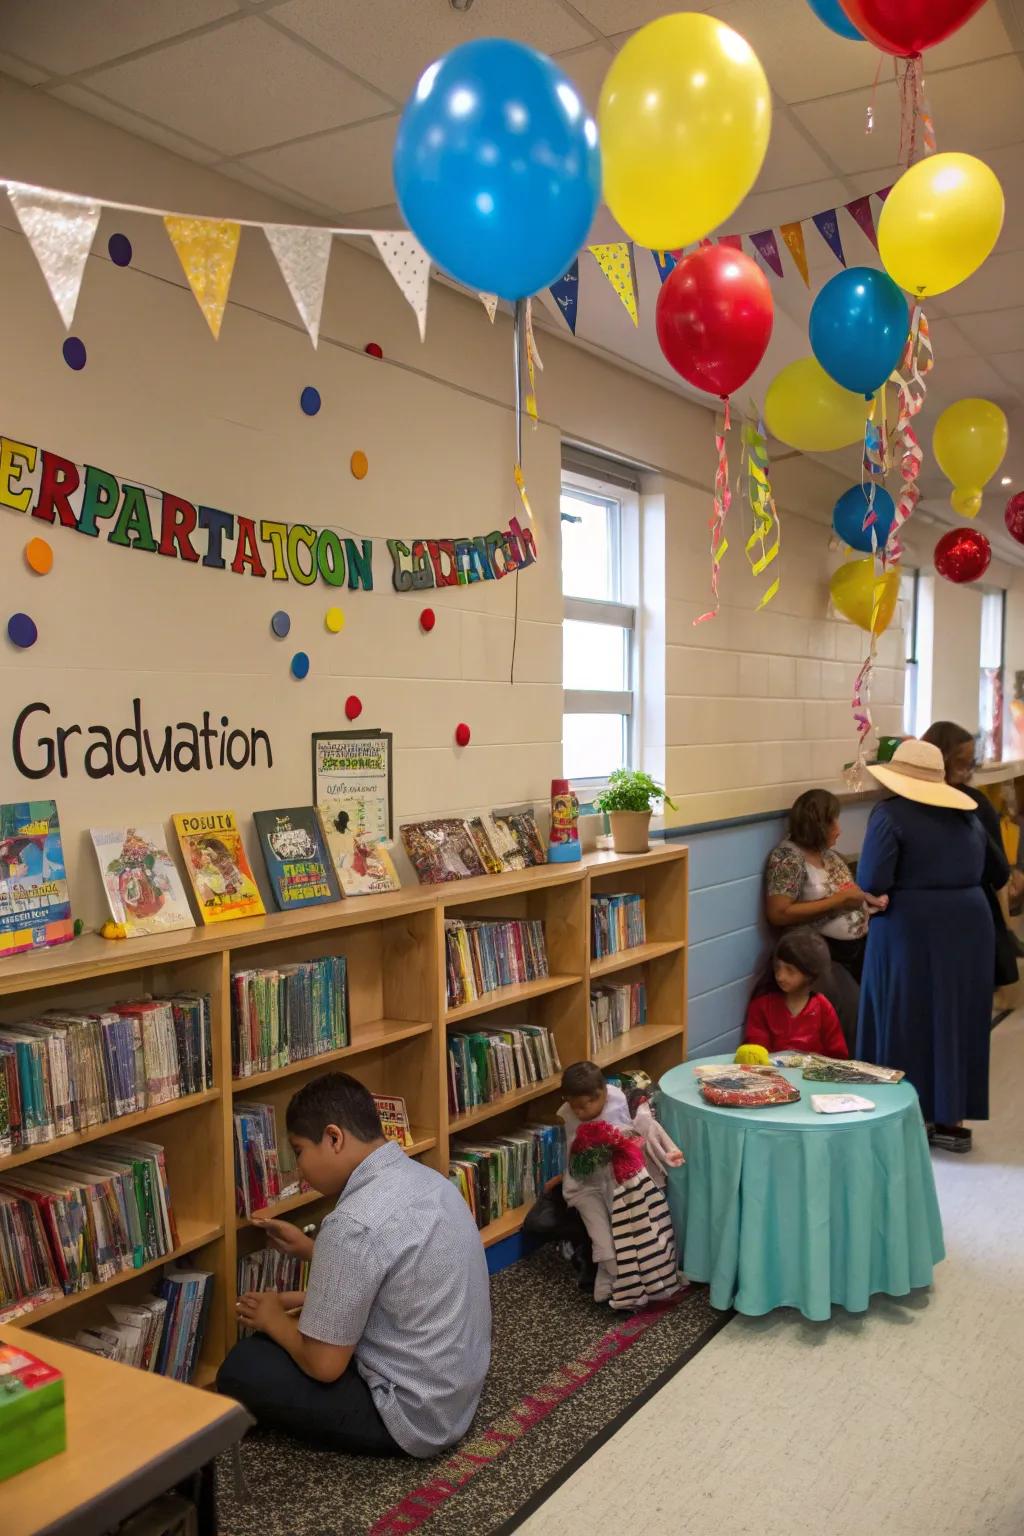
[41,484]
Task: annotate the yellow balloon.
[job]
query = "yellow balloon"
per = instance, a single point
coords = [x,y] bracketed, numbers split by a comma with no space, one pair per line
[966,500]
[807,410]
[684,117]
[857,593]
[940,222]
[969,442]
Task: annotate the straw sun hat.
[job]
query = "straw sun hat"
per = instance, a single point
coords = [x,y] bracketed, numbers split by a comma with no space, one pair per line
[917,771]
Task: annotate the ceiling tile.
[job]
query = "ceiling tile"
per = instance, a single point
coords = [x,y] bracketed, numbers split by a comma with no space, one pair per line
[240,88]
[249,177]
[344,170]
[1001,330]
[586,69]
[1011,366]
[767,210]
[65,36]
[950,341]
[996,285]
[791,158]
[613,16]
[87,101]
[391,42]
[19,70]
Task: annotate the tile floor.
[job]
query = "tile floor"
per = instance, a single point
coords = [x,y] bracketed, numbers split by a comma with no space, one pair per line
[907,1420]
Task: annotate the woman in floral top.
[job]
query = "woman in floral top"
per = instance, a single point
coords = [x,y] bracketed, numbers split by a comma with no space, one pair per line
[808,883]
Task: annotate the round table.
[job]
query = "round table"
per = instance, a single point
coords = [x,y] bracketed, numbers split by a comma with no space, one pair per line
[783,1207]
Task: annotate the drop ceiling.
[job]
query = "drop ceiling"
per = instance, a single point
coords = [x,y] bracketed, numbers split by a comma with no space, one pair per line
[301,98]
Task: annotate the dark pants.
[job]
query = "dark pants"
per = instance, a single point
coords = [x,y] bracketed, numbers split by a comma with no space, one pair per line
[849,953]
[338,1415]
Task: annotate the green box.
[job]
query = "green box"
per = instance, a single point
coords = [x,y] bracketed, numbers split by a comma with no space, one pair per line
[32,1423]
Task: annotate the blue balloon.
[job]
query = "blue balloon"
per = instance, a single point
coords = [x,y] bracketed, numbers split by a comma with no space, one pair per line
[852,508]
[833,15]
[859,325]
[497,168]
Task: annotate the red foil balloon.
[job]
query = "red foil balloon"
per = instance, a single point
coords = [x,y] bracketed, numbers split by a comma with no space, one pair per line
[1014,516]
[909,26]
[962,555]
[714,318]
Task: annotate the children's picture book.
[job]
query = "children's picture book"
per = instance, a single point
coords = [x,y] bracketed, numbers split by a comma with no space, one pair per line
[441,850]
[362,861]
[840,1103]
[144,889]
[35,906]
[298,865]
[216,864]
[515,837]
[355,766]
[394,1119]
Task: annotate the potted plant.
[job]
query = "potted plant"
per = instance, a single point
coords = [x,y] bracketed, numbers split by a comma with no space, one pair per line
[628,802]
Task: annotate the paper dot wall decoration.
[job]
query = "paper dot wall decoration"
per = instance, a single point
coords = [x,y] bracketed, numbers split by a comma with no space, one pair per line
[353,707]
[334,620]
[21,631]
[74,353]
[373,349]
[300,665]
[119,248]
[462,735]
[310,400]
[359,464]
[39,556]
[280,624]
[428,618]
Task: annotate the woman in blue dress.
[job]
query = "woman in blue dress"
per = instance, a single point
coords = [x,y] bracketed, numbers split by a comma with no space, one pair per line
[926,994]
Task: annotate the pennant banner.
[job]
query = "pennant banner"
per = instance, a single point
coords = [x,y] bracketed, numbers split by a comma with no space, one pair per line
[665,263]
[767,248]
[616,262]
[827,225]
[206,249]
[793,234]
[490,304]
[60,230]
[566,294]
[860,211]
[409,265]
[736,243]
[302,254]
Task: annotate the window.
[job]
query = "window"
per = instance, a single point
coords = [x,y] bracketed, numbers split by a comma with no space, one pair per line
[990,701]
[910,585]
[599,576]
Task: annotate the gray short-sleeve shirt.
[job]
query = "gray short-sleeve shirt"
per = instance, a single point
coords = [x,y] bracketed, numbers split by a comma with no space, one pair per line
[399,1271]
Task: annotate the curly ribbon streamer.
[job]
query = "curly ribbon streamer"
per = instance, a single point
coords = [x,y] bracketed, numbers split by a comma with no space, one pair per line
[533,364]
[910,380]
[917,127]
[722,503]
[767,527]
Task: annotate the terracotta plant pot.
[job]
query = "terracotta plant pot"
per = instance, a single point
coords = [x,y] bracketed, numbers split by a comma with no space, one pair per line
[630,831]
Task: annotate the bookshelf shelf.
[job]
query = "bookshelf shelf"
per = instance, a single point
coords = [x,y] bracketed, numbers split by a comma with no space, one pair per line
[108,1128]
[505,997]
[398,1020]
[384,1032]
[639,953]
[422,1141]
[487,1111]
[193,1235]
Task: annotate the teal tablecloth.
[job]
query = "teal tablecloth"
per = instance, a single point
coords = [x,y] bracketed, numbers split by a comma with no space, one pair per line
[782,1207]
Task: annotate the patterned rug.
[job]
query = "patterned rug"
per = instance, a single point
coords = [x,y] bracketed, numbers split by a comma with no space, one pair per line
[565,1374]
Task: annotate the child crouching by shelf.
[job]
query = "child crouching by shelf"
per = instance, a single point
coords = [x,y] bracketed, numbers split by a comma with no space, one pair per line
[615,1175]
[788,1011]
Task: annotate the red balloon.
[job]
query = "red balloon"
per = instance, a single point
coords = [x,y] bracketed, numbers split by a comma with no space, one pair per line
[962,555]
[909,26]
[1014,516]
[714,318]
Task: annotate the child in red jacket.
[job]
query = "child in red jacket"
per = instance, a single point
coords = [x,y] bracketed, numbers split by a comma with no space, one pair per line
[787,1012]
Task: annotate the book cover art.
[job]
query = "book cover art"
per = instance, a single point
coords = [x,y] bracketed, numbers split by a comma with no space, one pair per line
[484,845]
[144,890]
[356,766]
[216,865]
[35,906]
[298,865]
[394,1118]
[441,850]
[362,861]
[515,838]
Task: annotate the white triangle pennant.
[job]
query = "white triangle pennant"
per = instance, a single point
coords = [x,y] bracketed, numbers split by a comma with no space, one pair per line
[490,303]
[60,229]
[303,254]
[409,265]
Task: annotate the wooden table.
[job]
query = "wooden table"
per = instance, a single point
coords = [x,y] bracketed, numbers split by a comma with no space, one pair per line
[131,1437]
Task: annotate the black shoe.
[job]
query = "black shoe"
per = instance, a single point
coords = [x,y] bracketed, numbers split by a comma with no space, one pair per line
[952,1138]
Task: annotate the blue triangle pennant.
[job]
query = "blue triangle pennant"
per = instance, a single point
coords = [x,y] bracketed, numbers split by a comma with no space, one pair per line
[566,294]
[665,263]
[827,225]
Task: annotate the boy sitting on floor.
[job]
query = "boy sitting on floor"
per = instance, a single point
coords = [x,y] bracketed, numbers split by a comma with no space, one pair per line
[391,1347]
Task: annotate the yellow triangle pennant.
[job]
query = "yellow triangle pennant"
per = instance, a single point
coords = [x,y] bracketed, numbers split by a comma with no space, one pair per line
[206,249]
[616,262]
[793,234]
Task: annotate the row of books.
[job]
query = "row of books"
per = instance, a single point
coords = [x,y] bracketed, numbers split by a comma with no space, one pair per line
[614,1010]
[73,1221]
[487,1063]
[265,1168]
[67,1072]
[616,923]
[162,1333]
[449,848]
[481,957]
[498,1176]
[267,1270]
[287,1013]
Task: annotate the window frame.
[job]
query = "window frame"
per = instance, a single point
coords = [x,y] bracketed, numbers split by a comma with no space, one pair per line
[911,632]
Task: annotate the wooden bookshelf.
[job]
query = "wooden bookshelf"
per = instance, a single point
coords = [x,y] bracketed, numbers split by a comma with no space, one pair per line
[398,1023]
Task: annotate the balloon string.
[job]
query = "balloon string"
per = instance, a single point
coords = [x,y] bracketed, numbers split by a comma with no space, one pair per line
[869,125]
[914,111]
[533,364]
[721,504]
